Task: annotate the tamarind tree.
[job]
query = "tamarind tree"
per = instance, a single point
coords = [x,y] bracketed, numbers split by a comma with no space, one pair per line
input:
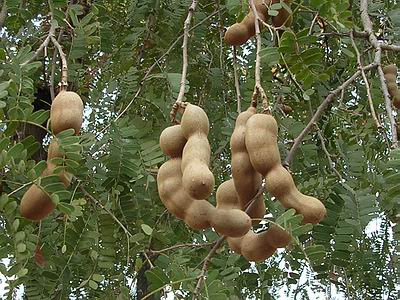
[134,63]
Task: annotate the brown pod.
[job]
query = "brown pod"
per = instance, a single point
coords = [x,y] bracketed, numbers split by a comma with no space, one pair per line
[287,109]
[172,141]
[390,78]
[36,204]
[64,176]
[260,246]
[390,69]
[199,214]
[228,219]
[237,34]
[197,179]
[247,181]
[396,99]
[392,88]
[280,184]
[169,183]
[261,142]
[66,112]
[284,17]
[54,150]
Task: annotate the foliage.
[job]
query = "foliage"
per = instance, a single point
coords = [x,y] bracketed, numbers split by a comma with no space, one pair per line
[110,222]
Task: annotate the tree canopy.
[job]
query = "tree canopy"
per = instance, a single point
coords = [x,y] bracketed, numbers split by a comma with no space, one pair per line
[110,235]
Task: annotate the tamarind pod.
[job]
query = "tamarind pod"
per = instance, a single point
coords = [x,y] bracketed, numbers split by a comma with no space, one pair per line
[230,222]
[66,112]
[237,34]
[172,141]
[54,149]
[396,99]
[36,204]
[280,184]
[390,77]
[261,142]
[390,69]
[64,176]
[194,120]
[260,246]
[228,219]
[392,88]
[197,178]
[170,190]
[246,180]
[284,17]
[199,214]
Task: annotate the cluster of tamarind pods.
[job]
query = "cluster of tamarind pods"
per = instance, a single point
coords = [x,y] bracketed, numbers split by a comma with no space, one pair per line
[239,33]
[185,182]
[390,72]
[66,112]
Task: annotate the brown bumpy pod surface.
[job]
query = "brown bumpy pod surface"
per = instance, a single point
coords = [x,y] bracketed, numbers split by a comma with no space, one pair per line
[36,204]
[260,246]
[280,184]
[284,17]
[390,77]
[66,112]
[169,182]
[247,180]
[237,34]
[396,99]
[54,149]
[261,143]
[172,141]
[390,69]
[228,219]
[392,88]
[199,214]
[197,178]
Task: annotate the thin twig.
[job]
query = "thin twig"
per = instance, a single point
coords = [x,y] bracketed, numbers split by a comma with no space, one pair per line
[237,82]
[258,89]
[365,79]
[188,245]
[64,68]
[44,44]
[328,156]
[320,110]
[186,25]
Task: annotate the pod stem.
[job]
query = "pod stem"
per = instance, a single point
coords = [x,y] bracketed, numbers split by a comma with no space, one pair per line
[64,68]
[258,89]
[186,29]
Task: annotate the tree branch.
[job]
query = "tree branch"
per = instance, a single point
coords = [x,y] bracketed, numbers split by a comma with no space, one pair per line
[44,44]
[320,110]
[365,79]
[378,45]
[3,14]
[179,99]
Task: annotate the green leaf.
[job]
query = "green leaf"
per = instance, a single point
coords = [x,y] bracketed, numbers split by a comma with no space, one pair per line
[147,229]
